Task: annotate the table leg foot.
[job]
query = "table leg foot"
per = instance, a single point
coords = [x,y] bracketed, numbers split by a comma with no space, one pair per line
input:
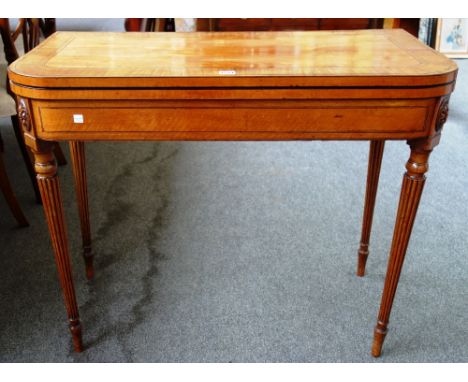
[363,253]
[75,329]
[380,332]
[373,172]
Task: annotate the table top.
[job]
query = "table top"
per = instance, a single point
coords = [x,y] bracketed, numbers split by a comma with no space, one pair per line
[366,58]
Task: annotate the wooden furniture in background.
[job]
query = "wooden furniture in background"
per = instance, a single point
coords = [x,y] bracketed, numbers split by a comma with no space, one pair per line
[355,85]
[30,31]
[254,24]
[278,24]
[5,187]
[409,25]
[149,25]
[8,109]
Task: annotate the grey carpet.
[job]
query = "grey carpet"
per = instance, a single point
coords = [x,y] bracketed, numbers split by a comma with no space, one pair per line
[242,252]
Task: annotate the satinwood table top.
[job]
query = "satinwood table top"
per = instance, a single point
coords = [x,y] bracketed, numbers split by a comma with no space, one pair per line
[368,58]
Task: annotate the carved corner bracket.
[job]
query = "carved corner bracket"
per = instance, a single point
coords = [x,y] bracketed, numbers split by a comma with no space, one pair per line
[442,113]
[428,143]
[23,115]
[25,120]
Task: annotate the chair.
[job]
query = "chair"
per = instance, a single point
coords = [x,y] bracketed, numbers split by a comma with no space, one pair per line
[6,107]
[149,25]
[31,31]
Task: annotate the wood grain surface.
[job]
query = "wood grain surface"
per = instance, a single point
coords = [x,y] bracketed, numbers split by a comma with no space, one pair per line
[318,58]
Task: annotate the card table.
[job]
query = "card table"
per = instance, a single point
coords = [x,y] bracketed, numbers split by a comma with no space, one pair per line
[373,85]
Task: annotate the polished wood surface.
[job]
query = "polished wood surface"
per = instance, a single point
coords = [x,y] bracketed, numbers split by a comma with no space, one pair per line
[372,85]
[326,58]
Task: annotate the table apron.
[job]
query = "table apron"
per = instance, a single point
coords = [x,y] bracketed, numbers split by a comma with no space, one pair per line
[232,120]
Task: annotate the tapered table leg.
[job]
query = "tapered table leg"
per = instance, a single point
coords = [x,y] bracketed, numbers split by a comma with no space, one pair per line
[411,190]
[77,150]
[373,173]
[48,181]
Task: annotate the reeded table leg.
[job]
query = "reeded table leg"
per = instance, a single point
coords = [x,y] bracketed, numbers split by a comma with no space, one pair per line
[373,172]
[77,151]
[411,190]
[48,181]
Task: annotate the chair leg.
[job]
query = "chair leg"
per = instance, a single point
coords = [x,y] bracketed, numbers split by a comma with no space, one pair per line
[26,157]
[13,204]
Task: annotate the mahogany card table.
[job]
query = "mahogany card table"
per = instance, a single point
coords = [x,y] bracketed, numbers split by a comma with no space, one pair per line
[370,85]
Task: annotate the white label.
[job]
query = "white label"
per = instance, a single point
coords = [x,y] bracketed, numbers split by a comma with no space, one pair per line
[78,118]
[227,72]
